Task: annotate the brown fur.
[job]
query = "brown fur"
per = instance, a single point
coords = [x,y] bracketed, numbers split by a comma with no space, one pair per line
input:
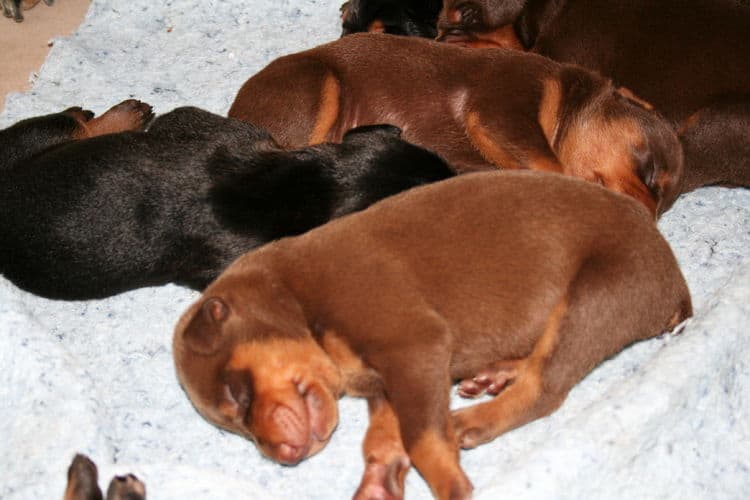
[388,306]
[684,57]
[478,109]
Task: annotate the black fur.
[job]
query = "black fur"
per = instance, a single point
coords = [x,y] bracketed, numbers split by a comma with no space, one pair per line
[399,17]
[89,218]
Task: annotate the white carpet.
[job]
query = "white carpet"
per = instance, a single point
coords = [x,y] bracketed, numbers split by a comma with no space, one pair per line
[668,418]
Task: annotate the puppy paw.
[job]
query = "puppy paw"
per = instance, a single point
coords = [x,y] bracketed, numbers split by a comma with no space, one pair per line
[383,481]
[491,380]
[126,488]
[82,480]
[130,115]
[468,433]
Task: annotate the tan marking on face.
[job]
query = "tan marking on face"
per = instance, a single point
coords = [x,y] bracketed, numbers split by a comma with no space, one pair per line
[436,458]
[494,152]
[295,387]
[376,26]
[601,151]
[328,110]
[503,37]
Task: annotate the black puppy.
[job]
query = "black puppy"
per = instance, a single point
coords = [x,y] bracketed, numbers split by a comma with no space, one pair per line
[396,17]
[12,8]
[85,215]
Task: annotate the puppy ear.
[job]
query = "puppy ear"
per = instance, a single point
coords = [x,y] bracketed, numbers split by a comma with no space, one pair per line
[630,96]
[384,130]
[203,334]
[344,10]
[648,171]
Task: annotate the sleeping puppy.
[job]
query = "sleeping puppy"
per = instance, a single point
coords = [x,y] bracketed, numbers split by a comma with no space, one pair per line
[83,483]
[90,207]
[12,8]
[395,17]
[478,109]
[689,59]
[515,283]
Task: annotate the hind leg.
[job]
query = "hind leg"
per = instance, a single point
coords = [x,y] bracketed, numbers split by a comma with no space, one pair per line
[611,303]
[521,395]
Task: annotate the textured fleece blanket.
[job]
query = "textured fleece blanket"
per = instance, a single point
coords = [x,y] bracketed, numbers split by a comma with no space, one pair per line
[667,418]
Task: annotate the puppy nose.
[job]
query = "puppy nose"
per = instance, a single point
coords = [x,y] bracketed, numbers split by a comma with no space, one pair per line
[288,454]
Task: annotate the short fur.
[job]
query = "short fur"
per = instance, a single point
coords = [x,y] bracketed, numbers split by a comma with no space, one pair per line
[12,8]
[520,288]
[686,58]
[478,109]
[86,217]
[395,17]
[83,483]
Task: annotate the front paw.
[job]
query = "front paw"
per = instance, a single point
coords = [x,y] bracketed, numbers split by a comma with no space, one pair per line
[383,481]
[126,488]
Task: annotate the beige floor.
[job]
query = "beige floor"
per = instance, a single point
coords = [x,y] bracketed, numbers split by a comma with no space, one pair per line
[23,46]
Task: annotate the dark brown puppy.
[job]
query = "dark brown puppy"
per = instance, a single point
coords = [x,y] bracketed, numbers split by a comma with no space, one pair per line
[477,109]
[83,483]
[687,58]
[526,284]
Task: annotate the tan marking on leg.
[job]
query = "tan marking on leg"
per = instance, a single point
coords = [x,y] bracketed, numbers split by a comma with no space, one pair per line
[436,458]
[524,400]
[499,155]
[328,110]
[386,460]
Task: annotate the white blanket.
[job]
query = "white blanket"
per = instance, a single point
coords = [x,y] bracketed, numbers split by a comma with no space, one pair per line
[667,418]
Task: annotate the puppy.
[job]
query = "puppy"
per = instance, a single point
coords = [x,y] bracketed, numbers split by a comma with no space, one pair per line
[693,80]
[86,213]
[478,109]
[512,296]
[396,17]
[12,8]
[83,483]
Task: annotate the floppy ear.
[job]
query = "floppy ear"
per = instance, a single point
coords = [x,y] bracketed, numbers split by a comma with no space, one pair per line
[630,96]
[384,130]
[203,334]
[648,171]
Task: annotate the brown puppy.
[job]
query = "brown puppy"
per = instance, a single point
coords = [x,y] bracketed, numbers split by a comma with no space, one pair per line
[477,109]
[686,57]
[511,295]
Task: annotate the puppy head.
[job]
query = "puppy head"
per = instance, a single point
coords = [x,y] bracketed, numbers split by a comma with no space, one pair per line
[480,23]
[248,363]
[609,136]
[395,17]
